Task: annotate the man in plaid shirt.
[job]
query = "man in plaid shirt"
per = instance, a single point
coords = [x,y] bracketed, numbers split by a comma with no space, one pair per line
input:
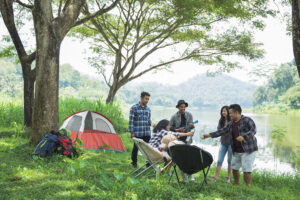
[139,123]
[242,132]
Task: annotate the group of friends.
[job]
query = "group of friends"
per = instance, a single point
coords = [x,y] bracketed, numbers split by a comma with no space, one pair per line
[237,134]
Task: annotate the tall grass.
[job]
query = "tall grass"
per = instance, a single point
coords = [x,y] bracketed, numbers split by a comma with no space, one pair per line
[13,111]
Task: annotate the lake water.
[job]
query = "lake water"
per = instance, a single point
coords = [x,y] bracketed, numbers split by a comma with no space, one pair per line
[272,155]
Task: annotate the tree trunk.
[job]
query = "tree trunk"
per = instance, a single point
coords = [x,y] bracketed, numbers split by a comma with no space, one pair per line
[29,79]
[296,31]
[45,112]
[112,92]
[111,95]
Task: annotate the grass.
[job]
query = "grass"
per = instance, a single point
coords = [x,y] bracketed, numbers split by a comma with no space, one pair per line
[12,111]
[275,109]
[104,175]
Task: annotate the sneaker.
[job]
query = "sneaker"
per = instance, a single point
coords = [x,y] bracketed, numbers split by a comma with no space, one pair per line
[192,179]
[227,180]
[186,178]
[213,179]
[134,165]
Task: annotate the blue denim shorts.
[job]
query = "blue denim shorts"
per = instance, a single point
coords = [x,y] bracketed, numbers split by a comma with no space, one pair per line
[222,152]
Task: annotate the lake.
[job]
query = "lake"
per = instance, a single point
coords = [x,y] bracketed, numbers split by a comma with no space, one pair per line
[272,155]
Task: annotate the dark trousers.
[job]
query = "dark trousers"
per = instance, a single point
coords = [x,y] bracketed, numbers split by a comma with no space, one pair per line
[135,149]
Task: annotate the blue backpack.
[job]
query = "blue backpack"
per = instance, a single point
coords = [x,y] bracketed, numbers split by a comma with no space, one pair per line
[47,145]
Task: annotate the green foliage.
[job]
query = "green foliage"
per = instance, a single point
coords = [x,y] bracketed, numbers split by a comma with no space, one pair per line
[105,175]
[282,89]
[10,79]
[278,133]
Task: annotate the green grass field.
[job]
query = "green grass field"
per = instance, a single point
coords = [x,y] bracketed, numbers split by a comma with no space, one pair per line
[104,175]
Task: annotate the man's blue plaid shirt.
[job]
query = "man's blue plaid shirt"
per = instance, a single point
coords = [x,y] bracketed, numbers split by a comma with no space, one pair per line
[140,120]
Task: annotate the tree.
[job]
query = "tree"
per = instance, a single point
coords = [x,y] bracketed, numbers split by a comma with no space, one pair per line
[260,96]
[296,31]
[25,57]
[52,20]
[139,30]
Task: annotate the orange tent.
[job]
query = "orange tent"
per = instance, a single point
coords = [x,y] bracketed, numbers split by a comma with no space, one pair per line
[94,129]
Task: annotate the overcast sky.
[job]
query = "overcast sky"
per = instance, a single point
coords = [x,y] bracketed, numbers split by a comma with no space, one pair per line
[277,45]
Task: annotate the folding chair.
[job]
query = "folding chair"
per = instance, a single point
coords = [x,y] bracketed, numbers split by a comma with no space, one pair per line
[151,155]
[190,159]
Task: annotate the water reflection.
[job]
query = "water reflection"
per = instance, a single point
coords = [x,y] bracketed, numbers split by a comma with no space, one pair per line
[271,156]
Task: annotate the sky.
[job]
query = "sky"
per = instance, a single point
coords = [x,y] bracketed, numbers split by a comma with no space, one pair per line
[276,43]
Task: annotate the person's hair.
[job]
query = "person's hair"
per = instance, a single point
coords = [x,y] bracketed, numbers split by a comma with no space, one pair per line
[162,124]
[222,119]
[236,108]
[143,94]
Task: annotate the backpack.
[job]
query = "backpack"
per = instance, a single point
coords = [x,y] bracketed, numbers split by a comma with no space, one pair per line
[65,142]
[47,145]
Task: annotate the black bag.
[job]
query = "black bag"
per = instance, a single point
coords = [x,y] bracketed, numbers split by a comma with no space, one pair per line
[46,146]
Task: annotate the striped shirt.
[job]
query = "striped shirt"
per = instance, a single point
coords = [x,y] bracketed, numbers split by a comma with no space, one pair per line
[246,128]
[140,120]
[156,138]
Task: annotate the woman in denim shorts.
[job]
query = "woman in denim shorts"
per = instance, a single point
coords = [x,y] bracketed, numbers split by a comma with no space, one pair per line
[225,146]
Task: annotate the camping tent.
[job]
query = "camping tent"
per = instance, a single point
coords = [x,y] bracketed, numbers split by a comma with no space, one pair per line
[94,129]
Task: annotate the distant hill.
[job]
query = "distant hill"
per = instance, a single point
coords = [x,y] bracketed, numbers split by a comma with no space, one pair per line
[200,91]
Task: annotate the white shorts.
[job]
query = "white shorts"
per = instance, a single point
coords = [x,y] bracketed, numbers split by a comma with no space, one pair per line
[244,160]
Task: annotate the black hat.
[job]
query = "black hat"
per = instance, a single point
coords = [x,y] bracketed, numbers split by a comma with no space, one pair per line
[182,102]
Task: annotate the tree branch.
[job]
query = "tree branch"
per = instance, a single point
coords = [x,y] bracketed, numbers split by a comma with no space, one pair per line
[7,12]
[100,29]
[30,58]
[96,14]
[59,7]
[24,4]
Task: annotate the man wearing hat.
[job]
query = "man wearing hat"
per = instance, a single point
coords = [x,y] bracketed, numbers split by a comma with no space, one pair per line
[181,119]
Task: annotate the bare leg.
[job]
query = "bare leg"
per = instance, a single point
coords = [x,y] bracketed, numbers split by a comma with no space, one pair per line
[248,178]
[236,177]
[228,171]
[217,172]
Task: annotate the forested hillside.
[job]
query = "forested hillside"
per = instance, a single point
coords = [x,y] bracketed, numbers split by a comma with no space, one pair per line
[200,91]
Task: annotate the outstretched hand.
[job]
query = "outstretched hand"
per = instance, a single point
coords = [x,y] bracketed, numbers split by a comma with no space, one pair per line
[132,136]
[204,136]
[191,133]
